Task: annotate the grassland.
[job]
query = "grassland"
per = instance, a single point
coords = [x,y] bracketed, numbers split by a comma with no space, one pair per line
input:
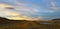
[23,24]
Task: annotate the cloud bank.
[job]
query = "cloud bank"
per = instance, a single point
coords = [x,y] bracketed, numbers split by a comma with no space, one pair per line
[20,11]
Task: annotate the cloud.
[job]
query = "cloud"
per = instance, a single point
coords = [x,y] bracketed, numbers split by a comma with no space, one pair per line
[53,5]
[5,11]
[16,13]
[20,6]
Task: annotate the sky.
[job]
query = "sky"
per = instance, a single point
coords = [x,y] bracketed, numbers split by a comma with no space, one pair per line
[30,9]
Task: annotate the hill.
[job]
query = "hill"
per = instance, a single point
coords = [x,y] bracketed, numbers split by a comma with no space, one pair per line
[23,24]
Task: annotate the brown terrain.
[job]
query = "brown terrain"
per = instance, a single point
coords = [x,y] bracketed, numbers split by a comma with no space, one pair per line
[23,24]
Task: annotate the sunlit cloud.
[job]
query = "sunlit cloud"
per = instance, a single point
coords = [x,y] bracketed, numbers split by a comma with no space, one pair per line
[17,12]
[29,9]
